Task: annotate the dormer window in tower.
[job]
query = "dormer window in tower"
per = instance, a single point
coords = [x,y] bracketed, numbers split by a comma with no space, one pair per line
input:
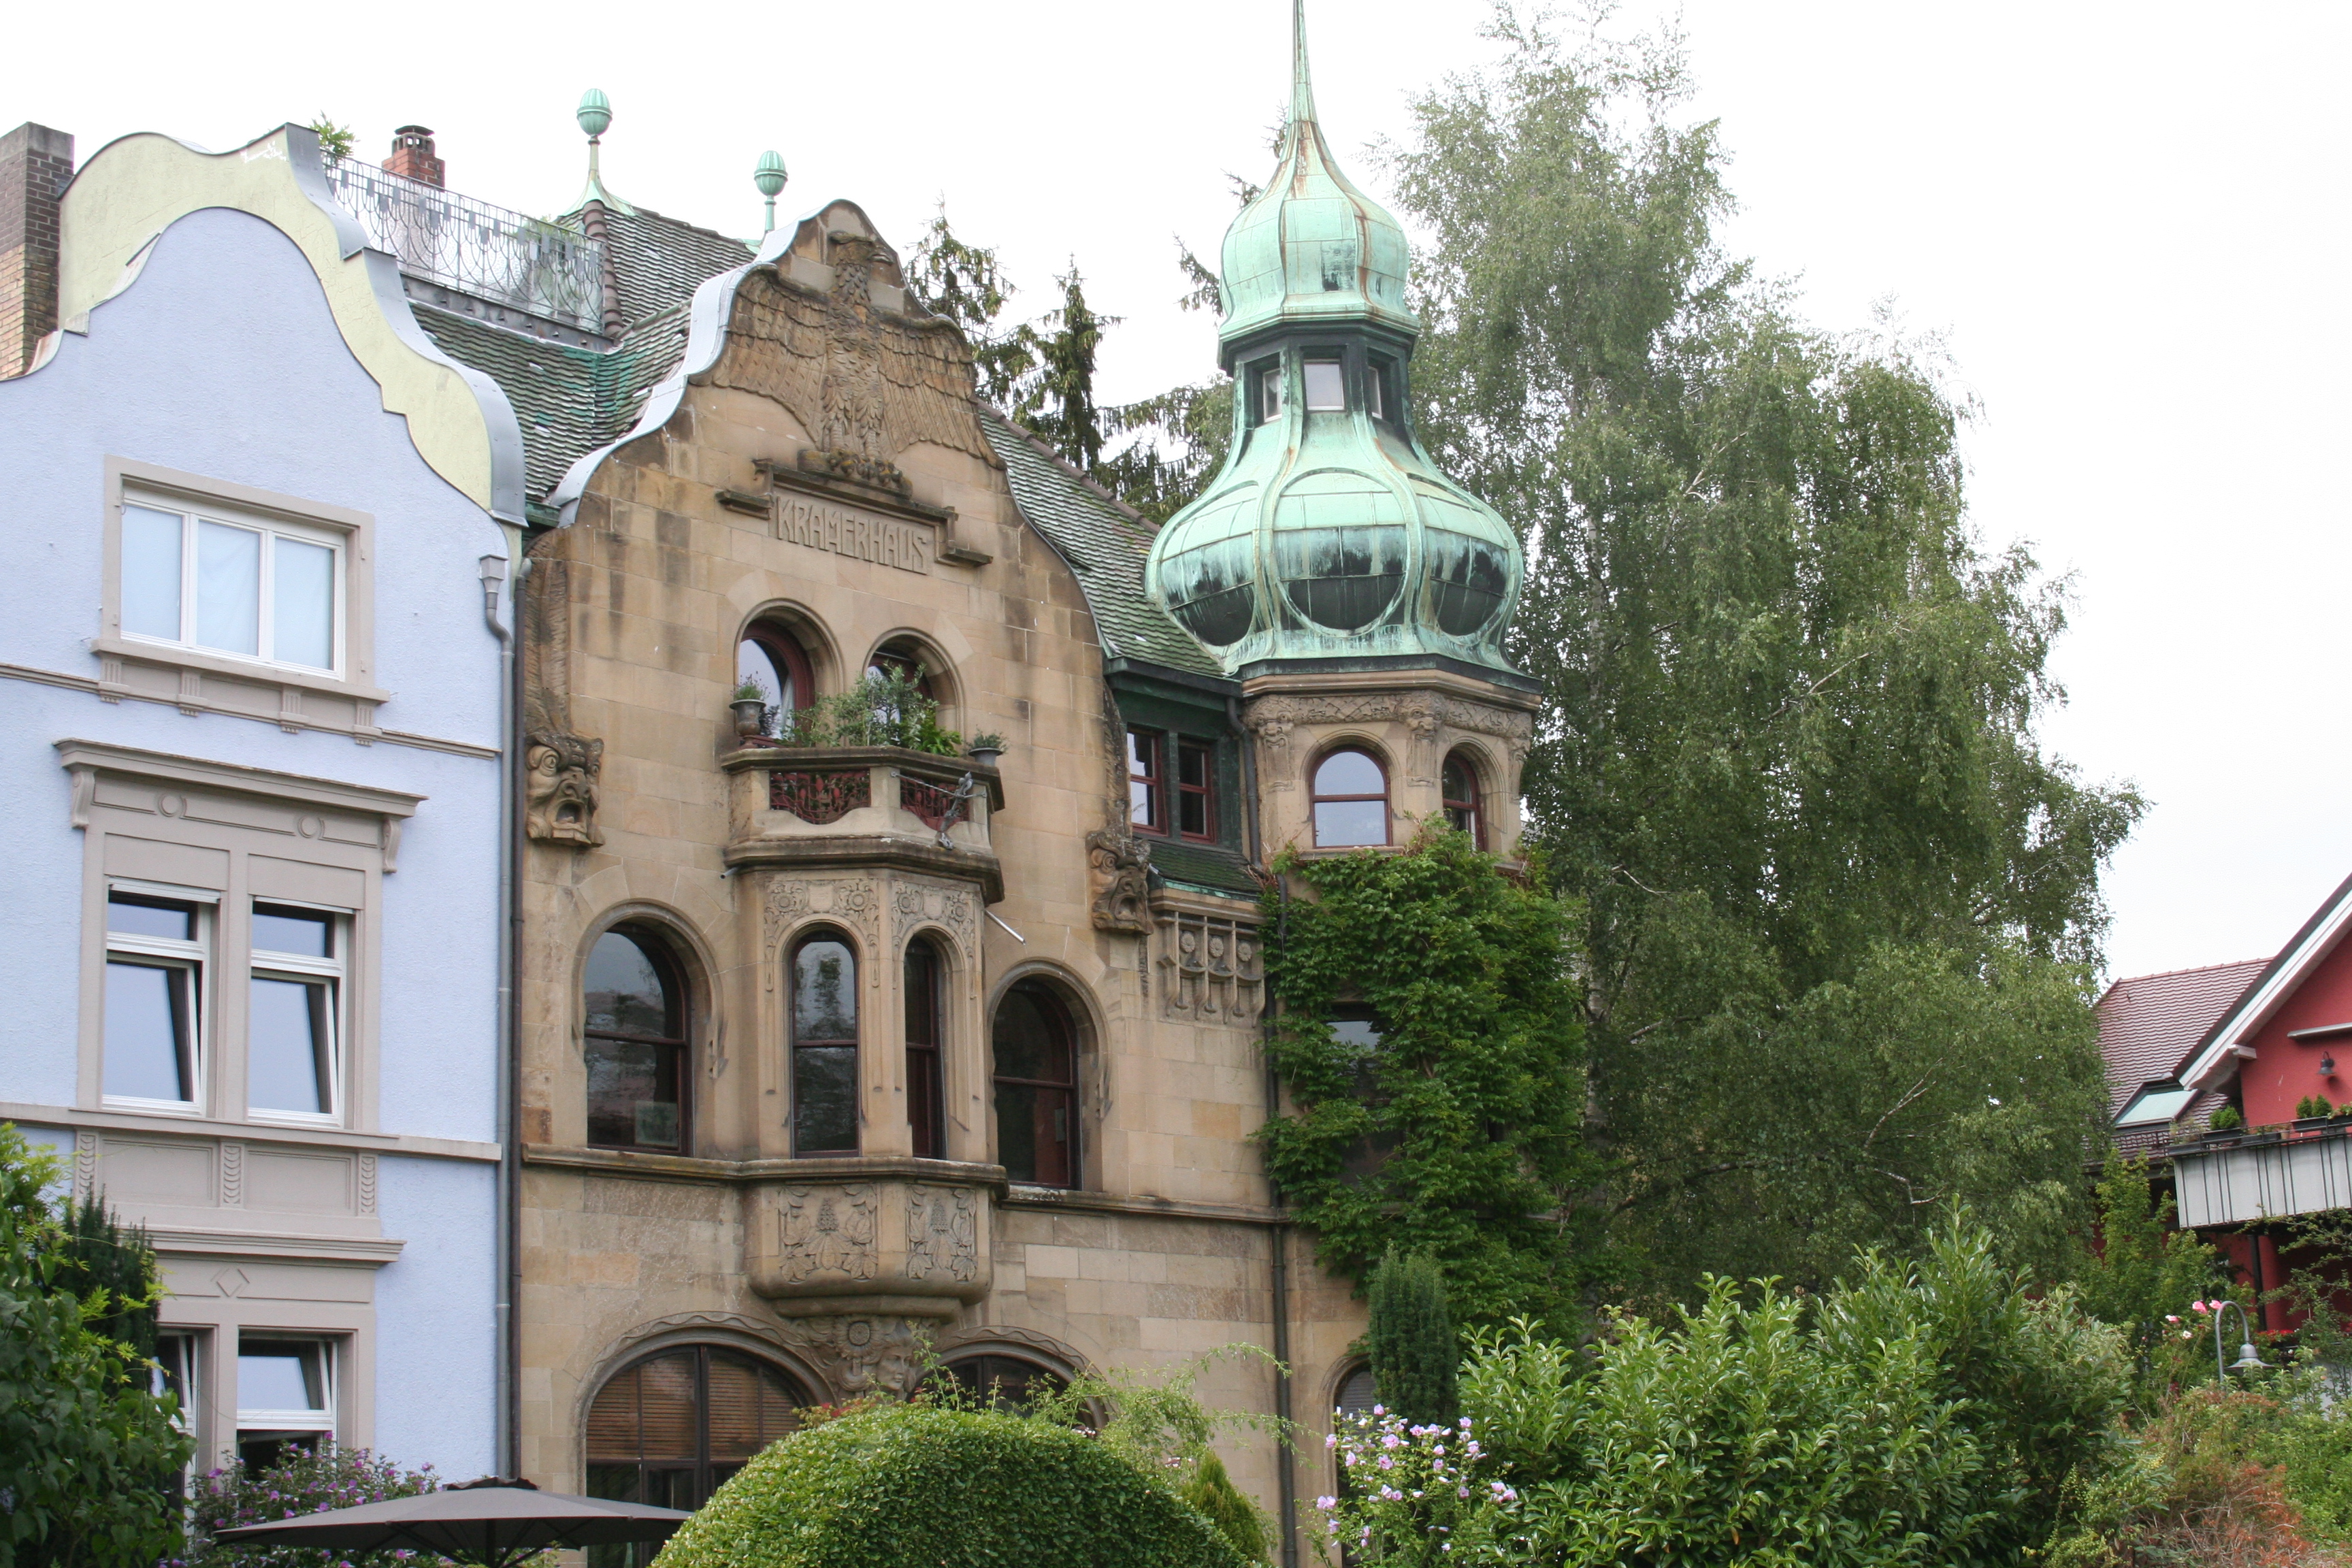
[1327,386]
[1265,381]
[1378,399]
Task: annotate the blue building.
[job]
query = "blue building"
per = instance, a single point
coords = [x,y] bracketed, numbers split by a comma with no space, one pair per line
[251,709]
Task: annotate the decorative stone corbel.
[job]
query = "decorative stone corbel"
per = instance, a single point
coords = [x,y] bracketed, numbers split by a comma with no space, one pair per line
[1122,865]
[561,789]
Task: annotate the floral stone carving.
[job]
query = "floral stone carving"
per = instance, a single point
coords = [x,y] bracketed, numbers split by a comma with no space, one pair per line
[942,1233]
[826,1231]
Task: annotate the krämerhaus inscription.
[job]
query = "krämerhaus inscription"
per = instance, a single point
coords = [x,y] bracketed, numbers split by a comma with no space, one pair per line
[908,547]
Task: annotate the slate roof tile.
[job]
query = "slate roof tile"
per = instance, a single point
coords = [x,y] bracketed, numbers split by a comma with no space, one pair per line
[1106,543]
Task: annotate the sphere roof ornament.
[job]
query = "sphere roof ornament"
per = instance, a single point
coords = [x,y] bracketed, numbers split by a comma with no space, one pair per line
[1330,537]
[770,175]
[595,111]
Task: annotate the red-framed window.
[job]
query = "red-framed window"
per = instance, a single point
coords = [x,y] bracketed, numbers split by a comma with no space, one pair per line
[1458,786]
[772,659]
[1196,807]
[1147,780]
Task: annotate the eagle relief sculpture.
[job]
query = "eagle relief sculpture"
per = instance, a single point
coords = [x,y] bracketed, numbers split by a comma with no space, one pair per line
[828,1231]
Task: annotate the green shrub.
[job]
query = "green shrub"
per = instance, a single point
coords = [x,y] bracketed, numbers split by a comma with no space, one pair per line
[2312,1105]
[2225,1118]
[1213,1494]
[911,1485]
[87,1454]
[1929,1414]
[886,708]
[1414,1352]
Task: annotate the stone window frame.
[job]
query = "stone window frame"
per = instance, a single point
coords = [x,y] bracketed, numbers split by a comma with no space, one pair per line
[1363,745]
[1089,1081]
[234,835]
[216,1316]
[357,531]
[830,928]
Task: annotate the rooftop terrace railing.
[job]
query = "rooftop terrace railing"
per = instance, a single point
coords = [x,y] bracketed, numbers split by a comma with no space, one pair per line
[474,248]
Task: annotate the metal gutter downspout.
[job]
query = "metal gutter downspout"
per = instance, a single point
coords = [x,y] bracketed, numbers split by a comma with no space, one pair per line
[1286,1481]
[508,1459]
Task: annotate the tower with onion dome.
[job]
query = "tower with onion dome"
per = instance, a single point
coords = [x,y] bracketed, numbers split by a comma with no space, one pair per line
[1359,594]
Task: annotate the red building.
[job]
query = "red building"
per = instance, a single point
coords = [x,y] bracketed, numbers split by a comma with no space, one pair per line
[2267,1040]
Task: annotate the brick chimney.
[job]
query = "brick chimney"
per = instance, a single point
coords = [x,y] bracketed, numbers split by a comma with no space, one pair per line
[35,165]
[412,154]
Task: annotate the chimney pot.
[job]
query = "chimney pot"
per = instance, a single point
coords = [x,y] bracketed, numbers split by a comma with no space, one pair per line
[36,162]
[412,156]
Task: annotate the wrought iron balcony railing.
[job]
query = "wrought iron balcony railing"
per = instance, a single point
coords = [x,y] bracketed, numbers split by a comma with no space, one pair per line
[474,248]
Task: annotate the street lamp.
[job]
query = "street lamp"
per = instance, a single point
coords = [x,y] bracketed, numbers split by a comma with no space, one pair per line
[2248,1360]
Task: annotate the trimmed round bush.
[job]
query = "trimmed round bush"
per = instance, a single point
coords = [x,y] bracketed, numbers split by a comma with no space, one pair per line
[907,1485]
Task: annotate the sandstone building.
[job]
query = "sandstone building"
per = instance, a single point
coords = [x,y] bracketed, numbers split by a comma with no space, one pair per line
[894,808]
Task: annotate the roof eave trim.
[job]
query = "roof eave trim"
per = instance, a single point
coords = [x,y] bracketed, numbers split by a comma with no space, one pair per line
[2215,1058]
[706,335]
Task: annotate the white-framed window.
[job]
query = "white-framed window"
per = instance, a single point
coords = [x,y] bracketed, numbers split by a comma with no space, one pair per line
[1327,385]
[293,1051]
[158,947]
[234,583]
[175,1373]
[285,1395]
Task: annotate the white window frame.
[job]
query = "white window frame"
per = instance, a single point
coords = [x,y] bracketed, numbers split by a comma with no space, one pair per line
[199,958]
[321,1422]
[265,964]
[193,514]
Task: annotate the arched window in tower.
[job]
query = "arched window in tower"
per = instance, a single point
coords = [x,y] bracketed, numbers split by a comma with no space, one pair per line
[1006,1382]
[1351,801]
[772,659]
[926,1038]
[669,1429]
[825,1047]
[1459,786]
[634,1012]
[1036,1050]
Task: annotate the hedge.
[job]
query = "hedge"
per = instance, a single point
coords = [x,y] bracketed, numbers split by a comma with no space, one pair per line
[914,1487]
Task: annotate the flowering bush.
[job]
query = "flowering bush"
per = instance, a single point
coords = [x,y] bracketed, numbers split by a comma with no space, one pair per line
[297,1484]
[1416,1495]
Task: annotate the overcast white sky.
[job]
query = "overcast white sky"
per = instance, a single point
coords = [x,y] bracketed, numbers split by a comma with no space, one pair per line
[2127,219]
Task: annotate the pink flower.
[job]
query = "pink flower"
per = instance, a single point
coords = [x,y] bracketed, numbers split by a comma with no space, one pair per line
[1326,1504]
[2170,1318]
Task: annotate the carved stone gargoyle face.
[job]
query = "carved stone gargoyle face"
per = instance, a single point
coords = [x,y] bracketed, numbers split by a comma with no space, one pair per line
[559,804]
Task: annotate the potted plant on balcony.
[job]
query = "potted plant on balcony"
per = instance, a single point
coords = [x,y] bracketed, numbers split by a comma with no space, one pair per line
[750,705]
[2312,1113]
[986,747]
[2225,1127]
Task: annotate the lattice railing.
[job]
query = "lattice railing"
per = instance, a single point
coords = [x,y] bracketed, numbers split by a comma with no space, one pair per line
[474,248]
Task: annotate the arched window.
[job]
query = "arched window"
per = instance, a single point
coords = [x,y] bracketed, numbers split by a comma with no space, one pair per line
[1358,1393]
[1458,786]
[926,1036]
[1036,1086]
[669,1429]
[633,1002]
[1351,801]
[773,660]
[1005,1382]
[825,1047]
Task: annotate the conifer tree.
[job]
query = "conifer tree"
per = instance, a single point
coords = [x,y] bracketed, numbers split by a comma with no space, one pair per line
[1415,1354]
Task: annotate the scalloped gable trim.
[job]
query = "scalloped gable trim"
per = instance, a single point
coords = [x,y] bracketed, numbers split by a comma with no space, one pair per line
[137,186]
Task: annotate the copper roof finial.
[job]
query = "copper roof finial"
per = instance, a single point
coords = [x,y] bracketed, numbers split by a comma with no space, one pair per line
[1302,85]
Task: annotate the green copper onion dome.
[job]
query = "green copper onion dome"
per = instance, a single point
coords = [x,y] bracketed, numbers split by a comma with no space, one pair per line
[1330,534]
[1312,245]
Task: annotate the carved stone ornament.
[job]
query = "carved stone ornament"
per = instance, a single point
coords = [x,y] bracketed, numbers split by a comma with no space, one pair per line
[821,797]
[853,901]
[561,788]
[1212,970]
[826,1231]
[942,1233]
[1431,718]
[861,1353]
[1122,865]
[921,901]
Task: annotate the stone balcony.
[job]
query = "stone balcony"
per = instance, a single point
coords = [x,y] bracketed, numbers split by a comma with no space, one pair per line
[812,809]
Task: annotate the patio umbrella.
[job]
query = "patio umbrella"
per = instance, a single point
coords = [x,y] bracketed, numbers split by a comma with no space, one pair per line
[493,1523]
